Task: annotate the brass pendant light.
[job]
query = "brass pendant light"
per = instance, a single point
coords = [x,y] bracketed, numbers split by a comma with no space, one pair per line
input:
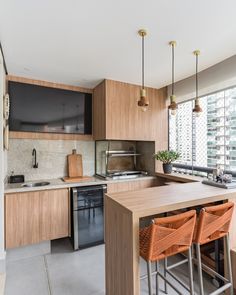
[143,101]
[173,105]
[197,108]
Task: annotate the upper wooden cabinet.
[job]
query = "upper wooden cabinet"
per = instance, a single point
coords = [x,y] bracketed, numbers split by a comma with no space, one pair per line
[117,116]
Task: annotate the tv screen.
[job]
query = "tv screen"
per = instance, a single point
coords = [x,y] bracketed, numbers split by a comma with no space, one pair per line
[36,108]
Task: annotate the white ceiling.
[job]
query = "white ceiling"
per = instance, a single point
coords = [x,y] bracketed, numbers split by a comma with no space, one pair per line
[82,42]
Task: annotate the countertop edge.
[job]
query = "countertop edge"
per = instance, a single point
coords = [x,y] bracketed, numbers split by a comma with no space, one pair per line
[60,184]
[179,177]
[170,197]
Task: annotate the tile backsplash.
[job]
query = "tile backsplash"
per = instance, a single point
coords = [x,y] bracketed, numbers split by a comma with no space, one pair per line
[51,157]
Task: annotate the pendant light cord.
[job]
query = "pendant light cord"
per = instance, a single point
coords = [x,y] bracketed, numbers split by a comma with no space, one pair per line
[173,69]
[196,75]
[143,62]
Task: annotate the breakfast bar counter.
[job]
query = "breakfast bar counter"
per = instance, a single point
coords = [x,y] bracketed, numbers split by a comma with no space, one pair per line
[122,216]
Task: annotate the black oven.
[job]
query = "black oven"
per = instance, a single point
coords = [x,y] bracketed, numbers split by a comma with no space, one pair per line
[87,216]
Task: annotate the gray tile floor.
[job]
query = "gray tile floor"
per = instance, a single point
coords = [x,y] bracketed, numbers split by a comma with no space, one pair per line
[65,272]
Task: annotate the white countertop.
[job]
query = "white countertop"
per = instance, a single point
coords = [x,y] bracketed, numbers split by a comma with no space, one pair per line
[58,183]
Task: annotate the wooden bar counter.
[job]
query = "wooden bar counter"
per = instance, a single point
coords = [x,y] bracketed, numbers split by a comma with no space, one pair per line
[122,215]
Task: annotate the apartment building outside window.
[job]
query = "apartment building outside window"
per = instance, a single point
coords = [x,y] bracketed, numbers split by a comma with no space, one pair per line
[209,140]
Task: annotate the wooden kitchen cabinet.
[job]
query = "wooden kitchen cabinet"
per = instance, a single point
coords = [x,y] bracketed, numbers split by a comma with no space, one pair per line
[22,219]
[33,217]
[132,185]
[117,116]
[54,214]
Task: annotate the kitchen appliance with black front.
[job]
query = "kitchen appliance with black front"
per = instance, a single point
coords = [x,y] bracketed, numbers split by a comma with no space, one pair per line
[87,216]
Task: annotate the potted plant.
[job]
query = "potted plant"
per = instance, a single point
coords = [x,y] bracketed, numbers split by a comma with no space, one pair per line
[167,157]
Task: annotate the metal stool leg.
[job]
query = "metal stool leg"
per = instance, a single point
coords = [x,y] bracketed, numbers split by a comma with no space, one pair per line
[157,282]
[190,268]
[165,283]
[93,212]
[149,273]
[199,262]
[229,265]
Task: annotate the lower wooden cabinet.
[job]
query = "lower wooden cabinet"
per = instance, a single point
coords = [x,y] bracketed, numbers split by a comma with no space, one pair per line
[22,219]
[33,217]
[132,185]
[55,214]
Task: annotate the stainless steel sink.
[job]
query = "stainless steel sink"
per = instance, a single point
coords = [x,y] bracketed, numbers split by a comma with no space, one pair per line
[35,184]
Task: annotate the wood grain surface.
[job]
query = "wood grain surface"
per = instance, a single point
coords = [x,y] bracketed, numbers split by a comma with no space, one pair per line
[75,165]
[32,217]
[49,136]
[76,179]
[47,84]
[117,116]
[161,199]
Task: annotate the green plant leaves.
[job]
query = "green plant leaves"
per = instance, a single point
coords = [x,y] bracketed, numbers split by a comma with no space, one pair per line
[167,156]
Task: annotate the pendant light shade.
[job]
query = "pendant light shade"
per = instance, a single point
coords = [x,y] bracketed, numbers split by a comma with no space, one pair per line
[197,108]
[143,100]
[173,105]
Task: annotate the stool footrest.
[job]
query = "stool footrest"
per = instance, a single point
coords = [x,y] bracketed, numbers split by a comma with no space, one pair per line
[165,279]
[205,267]
[221,289]
[177,264]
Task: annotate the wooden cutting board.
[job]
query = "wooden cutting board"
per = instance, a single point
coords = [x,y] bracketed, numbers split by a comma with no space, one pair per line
[76,179]
[75,165]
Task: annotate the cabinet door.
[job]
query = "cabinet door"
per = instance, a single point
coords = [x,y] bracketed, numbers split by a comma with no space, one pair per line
[117,116]
[55,214]
[22,219]
[126,121]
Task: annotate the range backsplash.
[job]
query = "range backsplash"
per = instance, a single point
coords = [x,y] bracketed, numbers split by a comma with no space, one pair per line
[51,157]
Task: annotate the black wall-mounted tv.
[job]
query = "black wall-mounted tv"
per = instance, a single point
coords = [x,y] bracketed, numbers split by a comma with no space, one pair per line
[36,108]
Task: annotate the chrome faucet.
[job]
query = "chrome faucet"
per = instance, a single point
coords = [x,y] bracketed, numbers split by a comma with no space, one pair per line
[34,153]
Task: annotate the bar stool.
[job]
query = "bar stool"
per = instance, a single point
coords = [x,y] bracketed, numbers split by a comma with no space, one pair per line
[213,224]
[166,237]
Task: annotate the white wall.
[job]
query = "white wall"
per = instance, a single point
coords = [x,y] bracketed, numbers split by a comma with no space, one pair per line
[2,170]
[217,77]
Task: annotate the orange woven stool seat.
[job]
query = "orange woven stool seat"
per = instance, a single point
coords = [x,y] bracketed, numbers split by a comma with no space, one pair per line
[165,237]
[213,223]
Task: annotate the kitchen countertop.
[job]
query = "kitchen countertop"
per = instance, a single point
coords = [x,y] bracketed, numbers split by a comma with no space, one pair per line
[155,200]
[58,183]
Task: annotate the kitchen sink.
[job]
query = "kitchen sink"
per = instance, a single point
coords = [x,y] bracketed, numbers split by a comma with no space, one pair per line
[35,184]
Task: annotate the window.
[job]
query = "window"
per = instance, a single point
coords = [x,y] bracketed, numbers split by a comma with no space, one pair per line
[210,139]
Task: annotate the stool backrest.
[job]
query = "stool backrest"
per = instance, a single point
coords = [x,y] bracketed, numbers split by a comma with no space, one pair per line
[170,235]
[214,223]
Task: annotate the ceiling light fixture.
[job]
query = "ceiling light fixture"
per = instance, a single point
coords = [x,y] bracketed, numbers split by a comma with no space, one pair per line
[197,108]
[143,101]
[173,105]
